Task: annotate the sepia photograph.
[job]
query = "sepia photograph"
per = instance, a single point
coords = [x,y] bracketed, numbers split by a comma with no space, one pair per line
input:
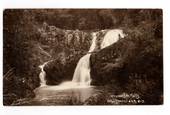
[55,57]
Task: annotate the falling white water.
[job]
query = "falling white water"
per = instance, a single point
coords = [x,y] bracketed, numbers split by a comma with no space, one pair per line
[42,74]
[82,72]
[93,45]
[81,77]
[112,36]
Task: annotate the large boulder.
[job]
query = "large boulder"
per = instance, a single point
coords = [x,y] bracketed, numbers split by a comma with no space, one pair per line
[109,63]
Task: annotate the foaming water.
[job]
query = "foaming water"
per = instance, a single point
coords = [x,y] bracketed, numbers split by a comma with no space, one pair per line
[111,37]
[42,75]
[93,45]
[82,71]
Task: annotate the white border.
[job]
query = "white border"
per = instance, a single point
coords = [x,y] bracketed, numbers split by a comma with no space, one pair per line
[83,3]
[97,110]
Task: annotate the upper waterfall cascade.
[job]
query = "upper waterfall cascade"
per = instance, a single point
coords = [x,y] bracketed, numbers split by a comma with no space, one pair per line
[112,37]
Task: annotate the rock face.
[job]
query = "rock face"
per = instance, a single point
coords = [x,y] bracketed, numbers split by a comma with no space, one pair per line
[109,63]
[56,72]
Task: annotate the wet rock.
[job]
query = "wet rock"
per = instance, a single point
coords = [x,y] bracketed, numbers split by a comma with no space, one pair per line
[57,71]
[109,63]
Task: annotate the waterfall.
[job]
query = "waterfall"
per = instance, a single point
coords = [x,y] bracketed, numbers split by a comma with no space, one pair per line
[93,45]
[42,74]
[82,72]
[81,77]
[112,36]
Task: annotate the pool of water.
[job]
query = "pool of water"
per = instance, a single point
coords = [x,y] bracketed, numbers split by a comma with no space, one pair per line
[91,95]
[53,95]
